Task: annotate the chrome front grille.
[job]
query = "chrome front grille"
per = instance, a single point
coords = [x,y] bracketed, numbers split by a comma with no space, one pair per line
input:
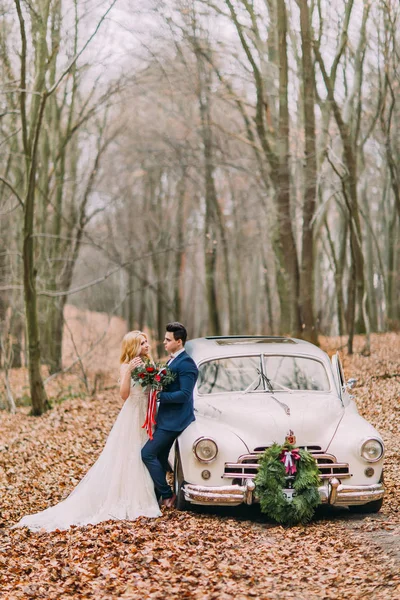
[246,466]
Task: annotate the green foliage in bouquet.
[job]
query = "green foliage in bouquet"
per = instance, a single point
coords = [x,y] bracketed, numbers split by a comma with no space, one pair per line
[153,375]
[272,479]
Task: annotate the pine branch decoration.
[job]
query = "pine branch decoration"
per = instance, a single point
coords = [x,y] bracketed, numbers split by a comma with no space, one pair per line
[272,479]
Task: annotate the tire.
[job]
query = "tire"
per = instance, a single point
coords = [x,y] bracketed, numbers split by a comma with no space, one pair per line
[181,503]
[370,507]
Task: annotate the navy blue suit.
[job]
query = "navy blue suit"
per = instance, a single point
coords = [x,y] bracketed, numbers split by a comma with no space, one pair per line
[175,413]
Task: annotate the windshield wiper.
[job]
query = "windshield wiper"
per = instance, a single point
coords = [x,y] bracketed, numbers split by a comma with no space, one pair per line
[281,386]
[258,378]
[271,389]
[262,377]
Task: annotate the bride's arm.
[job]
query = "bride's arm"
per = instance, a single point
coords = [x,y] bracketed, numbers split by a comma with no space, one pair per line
[125,385]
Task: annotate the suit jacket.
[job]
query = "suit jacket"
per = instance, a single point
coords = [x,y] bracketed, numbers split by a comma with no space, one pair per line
[176,412]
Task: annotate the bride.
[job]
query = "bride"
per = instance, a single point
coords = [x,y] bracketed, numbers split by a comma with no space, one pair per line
[118,485]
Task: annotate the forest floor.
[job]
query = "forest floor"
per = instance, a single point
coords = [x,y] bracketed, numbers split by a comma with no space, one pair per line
[208,554]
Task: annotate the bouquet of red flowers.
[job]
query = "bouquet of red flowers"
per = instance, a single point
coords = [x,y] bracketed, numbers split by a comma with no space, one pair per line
[154,377]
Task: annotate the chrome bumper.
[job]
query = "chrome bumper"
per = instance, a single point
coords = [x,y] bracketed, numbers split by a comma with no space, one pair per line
[351,495]
[226,495]
[332,492]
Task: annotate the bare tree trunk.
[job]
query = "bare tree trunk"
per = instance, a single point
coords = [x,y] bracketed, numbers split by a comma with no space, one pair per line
[286,239]
[210,225]
[131,308]
[180,253]
[6,350]
[338,267]
[370,264]
[267,291]
[274,142]
[211,275]
[9,395]
[38,394]
[349,189]
[310,176]
[55,136]
[17,332]
[393,252]
[160,308]
[31,140]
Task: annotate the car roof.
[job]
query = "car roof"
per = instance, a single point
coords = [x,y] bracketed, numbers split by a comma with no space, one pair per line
[239,345]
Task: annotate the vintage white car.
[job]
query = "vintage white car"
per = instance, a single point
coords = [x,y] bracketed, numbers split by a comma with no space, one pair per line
[253,391]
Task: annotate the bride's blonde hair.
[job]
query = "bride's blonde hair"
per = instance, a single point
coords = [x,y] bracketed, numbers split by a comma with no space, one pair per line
[131,346]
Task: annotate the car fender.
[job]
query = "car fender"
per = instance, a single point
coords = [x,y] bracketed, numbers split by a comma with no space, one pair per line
[346,447]
[229,444]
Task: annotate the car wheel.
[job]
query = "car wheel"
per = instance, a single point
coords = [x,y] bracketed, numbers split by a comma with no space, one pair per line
[181,503]
[370,507]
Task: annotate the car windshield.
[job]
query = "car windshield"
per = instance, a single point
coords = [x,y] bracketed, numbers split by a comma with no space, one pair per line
[279,374]
[234,374]
[295,373]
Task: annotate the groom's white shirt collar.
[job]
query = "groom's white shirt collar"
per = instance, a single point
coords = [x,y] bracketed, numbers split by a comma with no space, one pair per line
[176,354]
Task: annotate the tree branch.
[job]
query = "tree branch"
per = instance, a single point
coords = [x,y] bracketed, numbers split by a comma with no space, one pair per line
[14,191]
[75,58]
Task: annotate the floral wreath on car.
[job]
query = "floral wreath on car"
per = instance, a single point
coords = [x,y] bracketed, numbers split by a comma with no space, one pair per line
[287,483]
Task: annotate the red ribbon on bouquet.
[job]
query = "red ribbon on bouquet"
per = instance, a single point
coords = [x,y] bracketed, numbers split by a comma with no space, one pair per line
[151,413]
[289,459]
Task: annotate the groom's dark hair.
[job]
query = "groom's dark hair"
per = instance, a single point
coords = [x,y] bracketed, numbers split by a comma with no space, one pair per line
[178,330]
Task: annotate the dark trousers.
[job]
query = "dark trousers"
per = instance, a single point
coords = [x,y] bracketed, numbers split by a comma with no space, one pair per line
[155,457]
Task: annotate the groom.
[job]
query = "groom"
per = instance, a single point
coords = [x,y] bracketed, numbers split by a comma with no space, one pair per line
[175,411]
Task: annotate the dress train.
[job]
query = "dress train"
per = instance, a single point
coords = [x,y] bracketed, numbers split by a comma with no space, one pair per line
[117,486]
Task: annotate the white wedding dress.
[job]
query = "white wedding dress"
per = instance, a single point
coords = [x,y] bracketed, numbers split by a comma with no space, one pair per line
[117,486]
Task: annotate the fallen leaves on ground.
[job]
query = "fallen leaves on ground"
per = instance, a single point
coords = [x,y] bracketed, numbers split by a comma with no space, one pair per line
[208,554]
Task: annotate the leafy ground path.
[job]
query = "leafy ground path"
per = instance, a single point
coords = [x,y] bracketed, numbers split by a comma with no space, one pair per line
[223,554]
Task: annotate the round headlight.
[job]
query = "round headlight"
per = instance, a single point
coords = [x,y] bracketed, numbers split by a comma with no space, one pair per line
[372,450]
[205,449]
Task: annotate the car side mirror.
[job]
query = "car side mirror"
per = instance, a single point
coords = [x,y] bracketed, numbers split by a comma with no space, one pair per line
[351,383]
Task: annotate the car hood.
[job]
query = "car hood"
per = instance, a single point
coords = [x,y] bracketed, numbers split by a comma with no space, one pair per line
[261,419]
